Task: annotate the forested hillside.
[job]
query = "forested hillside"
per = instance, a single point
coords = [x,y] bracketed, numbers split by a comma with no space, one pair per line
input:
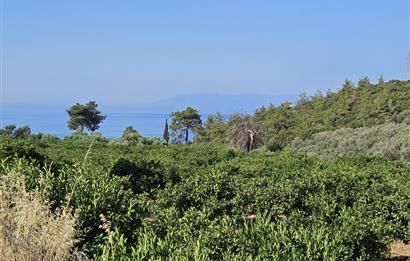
[353,106]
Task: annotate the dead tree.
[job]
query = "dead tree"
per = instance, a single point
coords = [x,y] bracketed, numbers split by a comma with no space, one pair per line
[251,140]
[244,133]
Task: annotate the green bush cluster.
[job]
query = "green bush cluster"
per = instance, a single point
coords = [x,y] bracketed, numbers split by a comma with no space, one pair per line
[390,140]
[210,202]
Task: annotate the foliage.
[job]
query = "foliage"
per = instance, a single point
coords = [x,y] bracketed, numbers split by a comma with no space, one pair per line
[352,106]
[210,202]
[165,136]
[85,116]
[214,129]
[390,140]
[130,137]
[183,122]
[136,199]
[8,130]
[22,132]
[143,177]
[10,147]
[272,145]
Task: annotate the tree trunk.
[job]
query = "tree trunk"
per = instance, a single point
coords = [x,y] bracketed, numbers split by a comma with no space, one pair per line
[251,139]
[186,135]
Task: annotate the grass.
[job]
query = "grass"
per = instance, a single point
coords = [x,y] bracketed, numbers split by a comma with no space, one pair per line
[28,229]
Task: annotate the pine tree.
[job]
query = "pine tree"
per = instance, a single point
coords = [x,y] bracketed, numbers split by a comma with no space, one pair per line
[85,116]
[184,122]
[165,136]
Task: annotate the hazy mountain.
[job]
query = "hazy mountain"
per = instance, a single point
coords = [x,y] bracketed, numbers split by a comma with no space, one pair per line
[204,102]
[210,103]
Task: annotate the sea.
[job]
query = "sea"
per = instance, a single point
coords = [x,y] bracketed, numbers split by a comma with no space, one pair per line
[53,120]
[148,119]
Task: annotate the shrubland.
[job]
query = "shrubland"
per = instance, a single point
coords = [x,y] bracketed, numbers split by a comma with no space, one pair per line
[391,140]
[211,202]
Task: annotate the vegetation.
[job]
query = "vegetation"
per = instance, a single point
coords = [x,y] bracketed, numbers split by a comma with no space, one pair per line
[85,116]
[130,136]
[247,188]
[391,140]
[243,132]
[353,106]
[184,122]
[165,136]
[214,130]
[12,131]
[28,231]
[210,202]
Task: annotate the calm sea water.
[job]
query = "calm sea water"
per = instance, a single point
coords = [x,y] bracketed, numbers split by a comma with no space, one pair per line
[54,121]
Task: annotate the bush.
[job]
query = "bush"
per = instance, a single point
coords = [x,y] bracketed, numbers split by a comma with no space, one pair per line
[273,145]
[144,176]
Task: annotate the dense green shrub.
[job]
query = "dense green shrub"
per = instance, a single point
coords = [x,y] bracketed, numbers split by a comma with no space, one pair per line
[210,202]
[272,145]
[143,176]
[130,136]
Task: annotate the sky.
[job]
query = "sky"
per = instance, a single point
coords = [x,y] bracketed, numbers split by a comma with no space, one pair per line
[130,52]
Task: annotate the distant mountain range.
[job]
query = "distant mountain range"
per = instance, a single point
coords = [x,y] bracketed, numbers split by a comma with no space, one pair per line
[204,102]
[208,103]
[148,118]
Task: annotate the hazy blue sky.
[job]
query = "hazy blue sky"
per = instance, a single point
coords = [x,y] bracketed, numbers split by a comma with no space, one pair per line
[141,51]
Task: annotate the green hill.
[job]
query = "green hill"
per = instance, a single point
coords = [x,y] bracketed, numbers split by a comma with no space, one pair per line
[353,106]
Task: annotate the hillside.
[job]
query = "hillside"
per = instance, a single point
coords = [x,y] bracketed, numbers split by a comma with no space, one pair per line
[352,106]
[391,140]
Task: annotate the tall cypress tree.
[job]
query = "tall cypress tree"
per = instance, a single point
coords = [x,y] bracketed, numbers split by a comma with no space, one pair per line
[165,136]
